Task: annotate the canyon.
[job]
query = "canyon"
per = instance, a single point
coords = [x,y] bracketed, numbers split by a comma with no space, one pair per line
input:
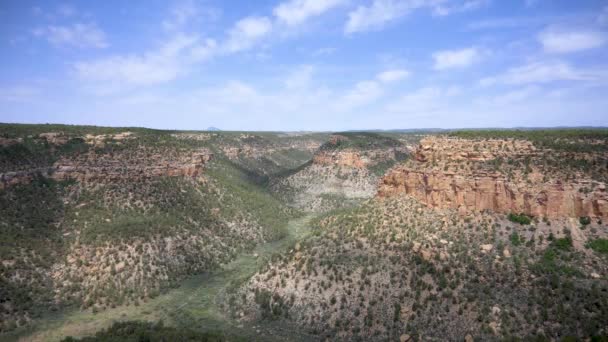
[303,236]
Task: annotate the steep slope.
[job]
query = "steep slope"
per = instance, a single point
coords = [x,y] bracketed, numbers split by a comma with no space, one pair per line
[344,171]
[410,265]
[394,268]
[94,218]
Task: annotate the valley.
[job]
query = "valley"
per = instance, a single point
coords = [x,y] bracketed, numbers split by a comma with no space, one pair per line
[271,236]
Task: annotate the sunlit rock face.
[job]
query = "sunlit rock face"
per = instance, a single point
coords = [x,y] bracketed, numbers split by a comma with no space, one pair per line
[439,178]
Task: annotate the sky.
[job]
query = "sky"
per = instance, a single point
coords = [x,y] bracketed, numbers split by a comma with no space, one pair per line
[305,64]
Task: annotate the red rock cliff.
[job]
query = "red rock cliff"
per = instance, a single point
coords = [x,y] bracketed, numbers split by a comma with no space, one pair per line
[474,189]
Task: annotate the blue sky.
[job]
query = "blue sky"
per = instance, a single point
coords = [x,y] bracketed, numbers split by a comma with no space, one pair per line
[305,64]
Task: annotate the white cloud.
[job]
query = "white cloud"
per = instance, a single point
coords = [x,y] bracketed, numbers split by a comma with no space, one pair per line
[83,35]
[449,59]
[149,68]
[246,32]
[570,41]
[366,92]
[540,72]
[376,15]
[443,8]
[186,12]
[363,93]
[181,14]
[381,12]
[295,12]
[393,75]
[173,59]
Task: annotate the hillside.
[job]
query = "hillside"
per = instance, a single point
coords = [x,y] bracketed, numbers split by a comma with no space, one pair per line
[454,260]
[343,172]
[94,217]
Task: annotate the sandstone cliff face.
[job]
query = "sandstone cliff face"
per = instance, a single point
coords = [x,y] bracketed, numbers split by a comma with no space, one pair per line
[341,158]
[338,176]
[357,159]
[494,192]
[476,188]
[92,167]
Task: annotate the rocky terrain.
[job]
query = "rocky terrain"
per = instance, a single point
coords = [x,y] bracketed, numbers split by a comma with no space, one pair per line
[452,248]
[468,175]
[472,235]
[343,172]
[95,219]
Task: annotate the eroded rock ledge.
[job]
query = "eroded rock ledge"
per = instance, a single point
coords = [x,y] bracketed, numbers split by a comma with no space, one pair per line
[478,188]
[92,167]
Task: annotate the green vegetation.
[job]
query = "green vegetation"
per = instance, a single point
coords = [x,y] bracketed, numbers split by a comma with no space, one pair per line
[516,239]
[136,331]
[522,219]
[571,140]
[599,245]
[361,141]
[380,168]
[29,214]
[585,220]
[564,244]
[242,195]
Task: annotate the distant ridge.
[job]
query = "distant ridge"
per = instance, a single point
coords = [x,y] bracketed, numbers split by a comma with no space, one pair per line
[211,128]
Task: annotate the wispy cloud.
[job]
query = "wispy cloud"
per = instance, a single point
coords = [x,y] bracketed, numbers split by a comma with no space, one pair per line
[541,72]
[382,12]
[149,68]
[186,12]
[82,35]
[454,59]
[246,32]
[296,12]
[393,75]
[378,14]
[443,8]
[561,41]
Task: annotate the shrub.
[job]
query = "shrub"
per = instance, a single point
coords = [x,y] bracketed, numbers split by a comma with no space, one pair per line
[520,218]
[599,245]
[563,243]
[516,240]
[148,331]
[584,220]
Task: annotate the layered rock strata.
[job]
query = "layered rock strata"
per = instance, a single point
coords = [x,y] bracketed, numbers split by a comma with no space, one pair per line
[438,178]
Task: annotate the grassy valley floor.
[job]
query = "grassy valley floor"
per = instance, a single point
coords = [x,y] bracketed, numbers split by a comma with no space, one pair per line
[195,304]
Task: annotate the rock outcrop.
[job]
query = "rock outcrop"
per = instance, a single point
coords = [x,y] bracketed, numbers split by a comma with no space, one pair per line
[93,167]
[494,192]
[478,188]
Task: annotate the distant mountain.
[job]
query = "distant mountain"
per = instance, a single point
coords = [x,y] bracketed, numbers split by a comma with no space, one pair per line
[211,128]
